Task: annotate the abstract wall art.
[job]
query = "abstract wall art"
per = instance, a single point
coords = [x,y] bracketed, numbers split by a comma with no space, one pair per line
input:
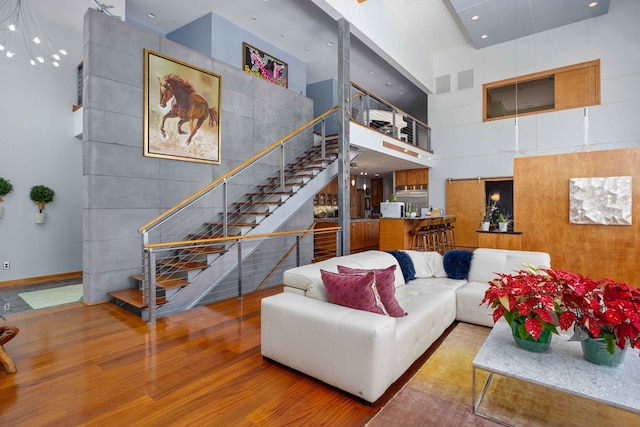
[600,200]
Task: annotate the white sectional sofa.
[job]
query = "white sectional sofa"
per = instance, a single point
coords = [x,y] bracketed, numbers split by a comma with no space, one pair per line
[363,353]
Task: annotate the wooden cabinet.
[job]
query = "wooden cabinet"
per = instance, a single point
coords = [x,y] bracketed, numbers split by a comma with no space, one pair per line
[377,191]
[497,240]
[365,235]
[328,196]
[412,177]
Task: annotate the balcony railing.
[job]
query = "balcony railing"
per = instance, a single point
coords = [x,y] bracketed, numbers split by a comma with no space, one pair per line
[371,110]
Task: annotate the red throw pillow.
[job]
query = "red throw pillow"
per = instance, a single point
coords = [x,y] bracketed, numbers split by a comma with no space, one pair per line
[385,284]
[351,290]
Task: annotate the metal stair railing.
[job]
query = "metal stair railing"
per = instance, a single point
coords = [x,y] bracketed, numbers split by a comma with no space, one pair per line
[235,204]
[244,270]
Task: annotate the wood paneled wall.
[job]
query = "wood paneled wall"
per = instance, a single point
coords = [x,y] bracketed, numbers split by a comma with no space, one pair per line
[541,206]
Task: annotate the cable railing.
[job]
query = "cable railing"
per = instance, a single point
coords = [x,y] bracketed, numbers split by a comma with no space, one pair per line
[205,241]
[252,270]
[202,229]
[371,110]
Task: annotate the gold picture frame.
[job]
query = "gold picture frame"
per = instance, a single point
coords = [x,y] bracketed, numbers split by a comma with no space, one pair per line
[181,110]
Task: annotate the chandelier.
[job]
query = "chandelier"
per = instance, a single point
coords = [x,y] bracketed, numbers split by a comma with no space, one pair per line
[17,20]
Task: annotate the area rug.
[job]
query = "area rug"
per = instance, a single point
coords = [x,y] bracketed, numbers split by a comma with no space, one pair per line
[52,297]
[440,394]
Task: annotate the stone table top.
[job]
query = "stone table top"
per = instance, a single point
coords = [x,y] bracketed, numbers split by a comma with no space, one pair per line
[562,367]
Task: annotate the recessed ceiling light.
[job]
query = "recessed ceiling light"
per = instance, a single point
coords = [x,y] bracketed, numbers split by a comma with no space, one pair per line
[475,17]
[593,4]
[151,15]
[388,83]
[330,43]
[283,35]
[372,72]
[255,18]
[484,36]
[306,49]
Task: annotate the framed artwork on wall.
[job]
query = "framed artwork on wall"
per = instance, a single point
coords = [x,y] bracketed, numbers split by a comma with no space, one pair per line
[265,66]
[181,110]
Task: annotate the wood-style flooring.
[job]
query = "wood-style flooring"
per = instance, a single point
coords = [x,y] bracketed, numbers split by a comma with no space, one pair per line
[103,366]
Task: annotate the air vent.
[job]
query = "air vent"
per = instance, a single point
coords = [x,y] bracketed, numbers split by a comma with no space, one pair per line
[465,79]
[443,84]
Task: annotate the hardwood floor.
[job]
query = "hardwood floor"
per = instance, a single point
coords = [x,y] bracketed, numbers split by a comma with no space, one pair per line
[101,366]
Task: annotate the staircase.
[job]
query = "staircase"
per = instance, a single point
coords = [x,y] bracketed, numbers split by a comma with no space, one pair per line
[188,254]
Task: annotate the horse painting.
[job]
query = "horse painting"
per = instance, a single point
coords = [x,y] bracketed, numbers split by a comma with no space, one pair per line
[185,104]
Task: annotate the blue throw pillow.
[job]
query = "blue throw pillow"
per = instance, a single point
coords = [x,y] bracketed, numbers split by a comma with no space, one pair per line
[457,263]
[406,265]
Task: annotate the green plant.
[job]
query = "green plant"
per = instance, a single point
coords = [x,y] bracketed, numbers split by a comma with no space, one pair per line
[5,187]
[601,308]
[41,195]
[412,207]
[393,197]
[487,213]
[530,298]
[504,218]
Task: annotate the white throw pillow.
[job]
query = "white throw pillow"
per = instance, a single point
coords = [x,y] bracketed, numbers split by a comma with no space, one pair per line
[435,262]
[419,264]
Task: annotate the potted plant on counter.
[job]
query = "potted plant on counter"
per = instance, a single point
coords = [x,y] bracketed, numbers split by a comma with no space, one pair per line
[5,188]
[41,195]
[412,209]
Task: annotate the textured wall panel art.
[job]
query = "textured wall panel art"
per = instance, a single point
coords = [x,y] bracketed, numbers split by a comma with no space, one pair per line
[603,200]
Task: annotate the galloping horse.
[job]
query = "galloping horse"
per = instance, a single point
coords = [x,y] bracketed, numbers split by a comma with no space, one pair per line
[187,105]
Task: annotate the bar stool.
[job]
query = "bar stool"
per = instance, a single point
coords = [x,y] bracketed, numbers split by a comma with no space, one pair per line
[419,237]
[442,236]
[432,234]
[448,234]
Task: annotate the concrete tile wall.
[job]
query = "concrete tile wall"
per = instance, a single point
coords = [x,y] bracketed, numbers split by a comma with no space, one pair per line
[123,190]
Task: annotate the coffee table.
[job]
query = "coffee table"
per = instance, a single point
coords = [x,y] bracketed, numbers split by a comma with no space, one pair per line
[562,367]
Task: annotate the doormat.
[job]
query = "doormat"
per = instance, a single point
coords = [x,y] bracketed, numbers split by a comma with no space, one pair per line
[52,297]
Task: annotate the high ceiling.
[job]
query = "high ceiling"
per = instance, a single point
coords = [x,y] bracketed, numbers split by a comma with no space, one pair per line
[303,29]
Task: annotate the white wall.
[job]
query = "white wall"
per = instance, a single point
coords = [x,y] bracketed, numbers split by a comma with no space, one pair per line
[37,146]
[465,147]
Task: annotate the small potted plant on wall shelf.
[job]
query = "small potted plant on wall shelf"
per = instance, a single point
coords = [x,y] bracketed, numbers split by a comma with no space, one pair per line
[503,221]
[5,188]
[487,217]
[41,195]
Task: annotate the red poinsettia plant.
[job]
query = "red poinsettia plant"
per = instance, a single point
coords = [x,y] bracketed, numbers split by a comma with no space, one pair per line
[530,298]
[602,308]
[535,298]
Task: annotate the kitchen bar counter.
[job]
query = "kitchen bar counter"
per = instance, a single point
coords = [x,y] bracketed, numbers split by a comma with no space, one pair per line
[395,233]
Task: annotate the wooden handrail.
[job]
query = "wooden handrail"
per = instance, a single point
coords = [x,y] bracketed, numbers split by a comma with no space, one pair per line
[282,260]
[232,238]
[233,171]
